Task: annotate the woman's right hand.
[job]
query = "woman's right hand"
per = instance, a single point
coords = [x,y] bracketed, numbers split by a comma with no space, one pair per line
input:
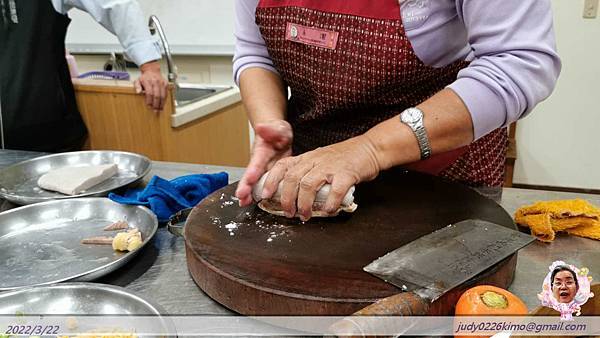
[272,141]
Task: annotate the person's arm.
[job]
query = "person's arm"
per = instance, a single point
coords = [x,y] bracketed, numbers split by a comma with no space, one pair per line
[263,92]
[264,96]
[514,60]
[447,122]
[125,19]
[514,67]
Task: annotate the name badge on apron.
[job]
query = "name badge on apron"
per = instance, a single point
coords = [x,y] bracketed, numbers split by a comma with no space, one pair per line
[311,36]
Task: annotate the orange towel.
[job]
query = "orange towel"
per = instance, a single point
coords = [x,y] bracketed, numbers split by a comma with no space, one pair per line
[562,224]
[540,225]
[577,217]
[562,209]
[589,230]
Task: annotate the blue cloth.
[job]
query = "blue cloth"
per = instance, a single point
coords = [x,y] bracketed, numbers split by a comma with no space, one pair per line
[165,198]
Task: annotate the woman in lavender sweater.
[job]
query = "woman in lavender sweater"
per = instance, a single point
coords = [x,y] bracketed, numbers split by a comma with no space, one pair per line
[426,84]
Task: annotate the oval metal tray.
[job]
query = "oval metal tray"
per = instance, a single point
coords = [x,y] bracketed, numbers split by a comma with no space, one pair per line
[40,244]
[18,183]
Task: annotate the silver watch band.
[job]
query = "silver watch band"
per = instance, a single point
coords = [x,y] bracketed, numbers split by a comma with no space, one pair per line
[413,117]
[423,140]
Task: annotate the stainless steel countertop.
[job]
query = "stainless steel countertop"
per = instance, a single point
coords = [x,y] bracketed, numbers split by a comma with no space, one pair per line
[160,271]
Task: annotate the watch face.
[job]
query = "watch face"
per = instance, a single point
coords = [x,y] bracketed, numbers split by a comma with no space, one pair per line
[411,115]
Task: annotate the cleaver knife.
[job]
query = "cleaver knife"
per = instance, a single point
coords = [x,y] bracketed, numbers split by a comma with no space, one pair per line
[436,263]
[429,267]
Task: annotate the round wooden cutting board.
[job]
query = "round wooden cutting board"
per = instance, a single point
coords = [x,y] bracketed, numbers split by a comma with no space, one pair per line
[259,264]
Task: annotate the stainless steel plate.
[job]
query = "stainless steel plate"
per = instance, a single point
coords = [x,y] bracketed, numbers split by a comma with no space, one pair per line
[18,183]
[76,299]
[40,244]
[90,303]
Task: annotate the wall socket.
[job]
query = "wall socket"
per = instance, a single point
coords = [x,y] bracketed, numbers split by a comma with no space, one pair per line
[590,9]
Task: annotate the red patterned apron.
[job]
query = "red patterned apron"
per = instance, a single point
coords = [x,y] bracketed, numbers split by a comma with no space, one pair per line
[350,66]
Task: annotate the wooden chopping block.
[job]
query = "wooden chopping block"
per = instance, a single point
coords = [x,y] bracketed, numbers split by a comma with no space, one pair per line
[259,264]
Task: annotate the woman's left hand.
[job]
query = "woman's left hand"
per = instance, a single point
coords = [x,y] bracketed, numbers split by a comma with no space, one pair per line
[342,165]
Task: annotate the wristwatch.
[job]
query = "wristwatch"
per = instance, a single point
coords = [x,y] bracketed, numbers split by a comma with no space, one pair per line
[413,117]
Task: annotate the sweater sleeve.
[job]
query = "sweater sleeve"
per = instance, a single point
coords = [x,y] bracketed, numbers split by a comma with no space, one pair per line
[250,48]
[515,65]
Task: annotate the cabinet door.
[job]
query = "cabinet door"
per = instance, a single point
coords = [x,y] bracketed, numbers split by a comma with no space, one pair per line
[118,119]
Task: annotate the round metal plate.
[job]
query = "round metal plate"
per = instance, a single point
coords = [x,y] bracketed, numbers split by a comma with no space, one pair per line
[76,299]
[40,244]
[88,301]
[18,183]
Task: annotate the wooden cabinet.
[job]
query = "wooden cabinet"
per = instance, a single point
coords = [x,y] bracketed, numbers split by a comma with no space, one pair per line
[117,119]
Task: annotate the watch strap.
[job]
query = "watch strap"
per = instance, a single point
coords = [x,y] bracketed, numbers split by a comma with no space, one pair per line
[418,128]
[423,141]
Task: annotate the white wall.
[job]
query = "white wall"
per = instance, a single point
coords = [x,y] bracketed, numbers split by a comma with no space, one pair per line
[193,27]
[559,144]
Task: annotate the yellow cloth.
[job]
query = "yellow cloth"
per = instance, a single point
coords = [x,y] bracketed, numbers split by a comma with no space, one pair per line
[589,230]
[562,208]
[541,227]
[577,217]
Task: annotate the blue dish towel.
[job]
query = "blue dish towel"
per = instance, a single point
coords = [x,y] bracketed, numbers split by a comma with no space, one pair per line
[165,198]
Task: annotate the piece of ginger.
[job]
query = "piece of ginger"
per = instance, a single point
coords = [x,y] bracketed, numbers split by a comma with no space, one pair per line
[127,241]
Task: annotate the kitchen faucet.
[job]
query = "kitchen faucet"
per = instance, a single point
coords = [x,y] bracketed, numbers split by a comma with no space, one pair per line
[185,93]
[155,26]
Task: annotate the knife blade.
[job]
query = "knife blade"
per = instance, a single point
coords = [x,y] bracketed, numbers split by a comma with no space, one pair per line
[436,263]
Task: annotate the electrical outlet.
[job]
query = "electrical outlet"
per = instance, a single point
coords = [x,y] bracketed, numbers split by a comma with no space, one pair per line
[590,9]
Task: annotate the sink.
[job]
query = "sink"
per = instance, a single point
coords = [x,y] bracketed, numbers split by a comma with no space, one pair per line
[187,93]
[195,101]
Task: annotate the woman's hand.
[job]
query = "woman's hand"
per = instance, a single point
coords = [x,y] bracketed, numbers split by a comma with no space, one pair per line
[272,142]
[342,165]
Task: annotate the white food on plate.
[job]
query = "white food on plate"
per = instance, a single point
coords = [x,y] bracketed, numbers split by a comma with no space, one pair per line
[74,180]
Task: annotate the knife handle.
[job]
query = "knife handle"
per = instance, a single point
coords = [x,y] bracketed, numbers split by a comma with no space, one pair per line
[402,304]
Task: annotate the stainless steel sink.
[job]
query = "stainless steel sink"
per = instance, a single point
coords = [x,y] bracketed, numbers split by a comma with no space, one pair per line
[186,93]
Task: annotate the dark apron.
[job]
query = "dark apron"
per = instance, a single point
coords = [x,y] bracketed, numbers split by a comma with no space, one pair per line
[38,106]
[350,66]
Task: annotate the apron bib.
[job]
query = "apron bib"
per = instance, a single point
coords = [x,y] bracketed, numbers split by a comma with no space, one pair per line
[39,111]
[350,66]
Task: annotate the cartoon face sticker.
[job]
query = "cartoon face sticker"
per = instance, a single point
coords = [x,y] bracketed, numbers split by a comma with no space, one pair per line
[566,288]
[564,284]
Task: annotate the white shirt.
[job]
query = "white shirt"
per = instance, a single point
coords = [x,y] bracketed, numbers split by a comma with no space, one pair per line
[125,19]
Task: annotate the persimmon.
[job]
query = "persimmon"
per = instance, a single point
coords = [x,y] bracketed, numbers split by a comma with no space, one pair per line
[487,300]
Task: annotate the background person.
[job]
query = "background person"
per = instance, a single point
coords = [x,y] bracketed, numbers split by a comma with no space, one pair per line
[38,110]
